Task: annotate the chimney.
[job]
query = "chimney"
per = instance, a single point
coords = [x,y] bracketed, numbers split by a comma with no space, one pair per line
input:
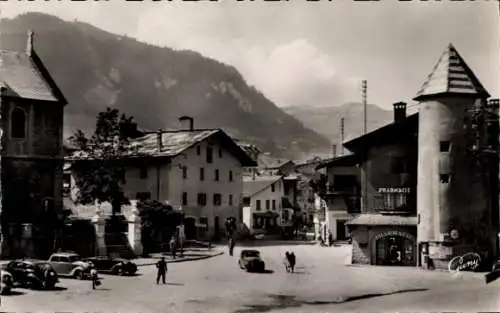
[29,44]
[399,111]
[159,142]
[190,121]
[334,150]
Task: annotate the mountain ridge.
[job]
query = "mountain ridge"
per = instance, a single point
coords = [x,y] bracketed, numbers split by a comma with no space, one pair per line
[96,69]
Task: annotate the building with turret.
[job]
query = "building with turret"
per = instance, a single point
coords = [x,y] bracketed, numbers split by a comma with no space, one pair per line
[429,181]
[457,194]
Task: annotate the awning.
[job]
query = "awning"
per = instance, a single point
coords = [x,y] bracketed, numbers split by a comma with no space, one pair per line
[383,220]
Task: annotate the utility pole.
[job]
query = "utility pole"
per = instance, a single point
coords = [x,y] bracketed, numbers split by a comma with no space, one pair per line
[342,133]
[364,173]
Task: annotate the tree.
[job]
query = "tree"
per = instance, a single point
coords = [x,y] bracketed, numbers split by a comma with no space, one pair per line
[159,222]
[99,164]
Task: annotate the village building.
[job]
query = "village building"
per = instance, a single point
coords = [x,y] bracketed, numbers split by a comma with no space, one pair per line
[457,199]
[264,208]
[388,162]
[341,199]
[197,171]
[32,108]
[429,181]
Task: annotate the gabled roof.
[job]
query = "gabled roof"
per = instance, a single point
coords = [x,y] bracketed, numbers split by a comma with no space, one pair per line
[257,184]
[393,132]
[451,76]
[175,142]
[26,77]
[343,160]
[269,162]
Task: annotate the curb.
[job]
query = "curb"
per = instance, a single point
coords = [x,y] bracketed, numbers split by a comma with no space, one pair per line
[201,257]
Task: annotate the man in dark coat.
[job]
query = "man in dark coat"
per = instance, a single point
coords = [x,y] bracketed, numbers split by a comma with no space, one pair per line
[292,261]
[231,246]
[162,270]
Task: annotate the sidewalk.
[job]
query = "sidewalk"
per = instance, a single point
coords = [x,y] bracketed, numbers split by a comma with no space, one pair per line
[189,256]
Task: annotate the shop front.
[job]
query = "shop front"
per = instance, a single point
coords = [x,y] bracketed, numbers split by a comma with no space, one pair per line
[383,240]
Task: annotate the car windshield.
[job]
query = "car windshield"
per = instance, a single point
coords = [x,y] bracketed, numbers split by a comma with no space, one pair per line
[251,254]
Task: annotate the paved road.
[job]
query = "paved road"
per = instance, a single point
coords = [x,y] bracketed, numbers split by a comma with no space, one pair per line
[322,283]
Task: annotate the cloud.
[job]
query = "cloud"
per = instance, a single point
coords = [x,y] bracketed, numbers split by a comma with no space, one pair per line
[290,73]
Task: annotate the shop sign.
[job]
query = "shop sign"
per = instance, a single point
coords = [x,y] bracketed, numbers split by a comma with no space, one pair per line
[394,233]
[394,190]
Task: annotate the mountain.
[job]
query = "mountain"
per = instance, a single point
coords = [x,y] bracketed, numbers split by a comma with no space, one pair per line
[155,85]
[326,120]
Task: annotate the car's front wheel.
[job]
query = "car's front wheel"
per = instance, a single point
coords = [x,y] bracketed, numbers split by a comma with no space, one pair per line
[78,275]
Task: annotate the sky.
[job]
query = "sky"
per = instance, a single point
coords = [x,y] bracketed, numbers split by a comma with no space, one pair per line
[304,53]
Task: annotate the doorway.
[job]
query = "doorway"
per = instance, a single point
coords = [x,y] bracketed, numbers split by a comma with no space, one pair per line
[216,228]
[341,233]
[396,251]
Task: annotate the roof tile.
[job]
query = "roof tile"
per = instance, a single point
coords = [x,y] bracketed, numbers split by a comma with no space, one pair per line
[451,75]
[22,78]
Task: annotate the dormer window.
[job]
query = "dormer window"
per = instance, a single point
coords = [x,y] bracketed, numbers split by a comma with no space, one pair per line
[18,123]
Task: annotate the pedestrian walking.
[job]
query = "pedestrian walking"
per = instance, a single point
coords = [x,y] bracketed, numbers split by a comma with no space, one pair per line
[286,262]
[161,267]
[94,277]
[292,261]
[231,246]
[173,247]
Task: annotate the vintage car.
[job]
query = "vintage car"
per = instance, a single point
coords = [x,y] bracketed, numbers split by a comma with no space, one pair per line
[115,266]
[70,264]
[7,282]
[33,273]
[251,261]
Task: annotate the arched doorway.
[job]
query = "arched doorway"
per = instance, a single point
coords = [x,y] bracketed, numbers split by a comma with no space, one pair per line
[395,249]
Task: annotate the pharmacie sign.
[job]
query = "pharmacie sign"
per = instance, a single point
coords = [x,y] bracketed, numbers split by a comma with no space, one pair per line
[394,190]
[392,233]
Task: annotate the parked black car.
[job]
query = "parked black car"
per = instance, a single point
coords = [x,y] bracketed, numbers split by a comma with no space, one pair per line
[33,273]
[251,261]
[115,266]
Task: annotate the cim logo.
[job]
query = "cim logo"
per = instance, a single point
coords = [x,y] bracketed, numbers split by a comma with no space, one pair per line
[467,262]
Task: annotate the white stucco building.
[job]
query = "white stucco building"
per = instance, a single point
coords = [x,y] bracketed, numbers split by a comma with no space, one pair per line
[199,171]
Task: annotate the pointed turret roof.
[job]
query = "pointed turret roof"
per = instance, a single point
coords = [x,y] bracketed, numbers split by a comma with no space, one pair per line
[451,76]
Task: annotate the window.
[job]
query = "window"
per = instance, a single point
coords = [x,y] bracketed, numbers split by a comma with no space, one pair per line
[398,165]
[230,200]
[209,155]
[18,123]
[220,153]
[230,175]
[257,205]
[273,187]
[246,201]
[217,199]
[274,204]
[143,172]
[184,198]
[444,178]
[444,146]
[142,196]
[216,175]
[203,220]
[184,172]
[202,173]
[198,150]
[345,183]
[202,199]
[268,205]
[394,201]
